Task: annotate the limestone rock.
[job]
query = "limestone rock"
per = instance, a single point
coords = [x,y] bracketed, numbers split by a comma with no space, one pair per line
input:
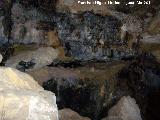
[125,109]
[40,58]
[68,114]
[21,98]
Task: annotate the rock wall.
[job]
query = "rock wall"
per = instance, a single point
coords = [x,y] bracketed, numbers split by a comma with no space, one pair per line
[35,34]
[83,34]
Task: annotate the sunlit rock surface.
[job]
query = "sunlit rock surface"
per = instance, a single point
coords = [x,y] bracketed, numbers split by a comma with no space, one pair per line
[68,114]
[125,109]
[21,98]
[38,58]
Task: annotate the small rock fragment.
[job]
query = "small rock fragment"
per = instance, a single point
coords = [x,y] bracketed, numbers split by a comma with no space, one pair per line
[68,114]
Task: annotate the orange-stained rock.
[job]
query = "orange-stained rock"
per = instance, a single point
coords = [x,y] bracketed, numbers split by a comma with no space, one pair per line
[53,39]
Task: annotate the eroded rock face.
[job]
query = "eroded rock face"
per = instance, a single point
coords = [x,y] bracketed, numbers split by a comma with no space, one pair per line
[24,26]
[125,109]
[88,89]
[68,114]
[83,35]
[33,59]
[21,98]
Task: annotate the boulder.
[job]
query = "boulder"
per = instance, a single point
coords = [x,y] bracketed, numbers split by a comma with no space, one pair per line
[37,59]
[125,109]
[68,114]
[21,98]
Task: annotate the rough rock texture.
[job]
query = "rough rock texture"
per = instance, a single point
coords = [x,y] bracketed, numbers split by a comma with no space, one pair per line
[125,109]
[53,39]
[83,35]
[151,38]
[2,35]
[154,26]
[1,57]
[21,98]
[89,32]
[68,114]
[85,32]
[104,9]
[24,26]
[88,88]
[38,58]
